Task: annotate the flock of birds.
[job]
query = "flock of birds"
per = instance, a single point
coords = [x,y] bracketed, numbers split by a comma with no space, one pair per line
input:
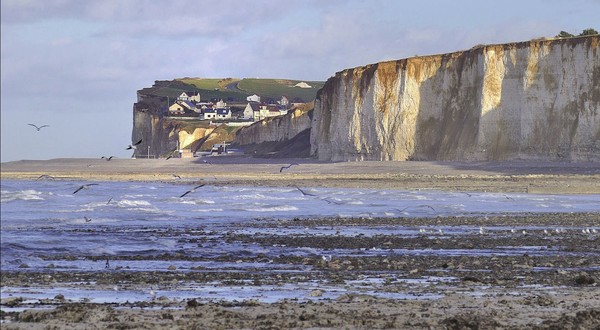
[89,185]
[484,231]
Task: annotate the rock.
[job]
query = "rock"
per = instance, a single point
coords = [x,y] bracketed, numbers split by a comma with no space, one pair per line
[316,293]
[584,279]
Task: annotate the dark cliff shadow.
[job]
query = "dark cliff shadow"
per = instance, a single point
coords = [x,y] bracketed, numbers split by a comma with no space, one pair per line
[448,117]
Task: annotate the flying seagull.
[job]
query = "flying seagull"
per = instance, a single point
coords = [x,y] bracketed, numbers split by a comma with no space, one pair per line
[192,190]
[176,176]
[38,127]
[109,200]
[134,146]
[87,219]
[427,206]
[286,167]
[304,192]
[85,186]
[45,176]
[107,158]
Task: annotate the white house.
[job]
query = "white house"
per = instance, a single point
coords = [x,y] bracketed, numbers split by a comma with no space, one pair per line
[250,109]
[220,104]
[223,113]
[209,113]
[253,98]
[284,101]
[189,96]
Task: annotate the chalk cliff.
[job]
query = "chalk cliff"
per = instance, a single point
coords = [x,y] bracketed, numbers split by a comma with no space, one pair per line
[275,129]
[161,135]
[529,100]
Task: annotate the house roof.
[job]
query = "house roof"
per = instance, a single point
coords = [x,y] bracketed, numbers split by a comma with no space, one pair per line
[188,104]
[223,111]
[254,105]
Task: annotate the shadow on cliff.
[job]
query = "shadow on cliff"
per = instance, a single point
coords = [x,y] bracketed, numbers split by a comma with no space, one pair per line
[448,118]
[296,149]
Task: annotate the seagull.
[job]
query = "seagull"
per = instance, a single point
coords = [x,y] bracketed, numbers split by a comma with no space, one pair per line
[206,162]
[303,192]
[429,206]
[192,190]
[399,210]
[176,176]
[85,186]
[45,176]
[109,200]
[286,167]
[134,145]
[107,158]
[87,219]
[171,154]
[107,265]
[38,127]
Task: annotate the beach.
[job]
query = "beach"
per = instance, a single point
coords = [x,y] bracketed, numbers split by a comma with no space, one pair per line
[546,276]
[517,176]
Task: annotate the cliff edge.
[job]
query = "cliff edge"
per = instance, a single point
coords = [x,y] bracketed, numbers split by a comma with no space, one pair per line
[535,100]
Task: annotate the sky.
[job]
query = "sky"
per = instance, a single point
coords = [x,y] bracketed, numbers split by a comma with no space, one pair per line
[76,65]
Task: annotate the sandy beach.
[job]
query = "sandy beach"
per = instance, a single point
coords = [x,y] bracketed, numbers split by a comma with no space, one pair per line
[520,176]
[513,291]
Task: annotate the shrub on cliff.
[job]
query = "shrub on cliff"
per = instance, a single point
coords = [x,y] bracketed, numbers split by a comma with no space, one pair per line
[586,32]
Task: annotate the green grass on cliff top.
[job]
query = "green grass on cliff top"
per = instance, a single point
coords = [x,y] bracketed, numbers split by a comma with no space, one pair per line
[234,89]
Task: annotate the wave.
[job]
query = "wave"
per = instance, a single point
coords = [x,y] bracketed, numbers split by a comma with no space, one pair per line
[272,208]
[25,195]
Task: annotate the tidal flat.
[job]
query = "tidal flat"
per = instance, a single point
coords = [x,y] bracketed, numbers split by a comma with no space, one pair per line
[438,258]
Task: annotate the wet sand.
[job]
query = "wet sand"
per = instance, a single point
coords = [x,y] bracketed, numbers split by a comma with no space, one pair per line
[553,286]
[521,176]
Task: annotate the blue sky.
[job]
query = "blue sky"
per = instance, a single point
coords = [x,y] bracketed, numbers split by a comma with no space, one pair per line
[76,65]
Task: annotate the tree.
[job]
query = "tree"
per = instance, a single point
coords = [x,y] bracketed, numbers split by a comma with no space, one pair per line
[588,32]
[564,34]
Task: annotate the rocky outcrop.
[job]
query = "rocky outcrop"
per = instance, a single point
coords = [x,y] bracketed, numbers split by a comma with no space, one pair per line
[161,135]
[529,100]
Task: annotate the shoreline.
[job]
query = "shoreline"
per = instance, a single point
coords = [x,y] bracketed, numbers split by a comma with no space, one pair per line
[516,176]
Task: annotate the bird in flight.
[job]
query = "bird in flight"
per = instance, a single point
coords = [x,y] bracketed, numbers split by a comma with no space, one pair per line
[427,206]
[286,167]
[304,192]
[85,186]
[192,190]
[107,158]
[87,219]
[38,127]
[109,200]
[134,146]
[45,176]
[176,176]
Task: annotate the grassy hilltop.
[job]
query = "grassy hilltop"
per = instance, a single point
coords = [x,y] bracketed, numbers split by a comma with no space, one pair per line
[235,89]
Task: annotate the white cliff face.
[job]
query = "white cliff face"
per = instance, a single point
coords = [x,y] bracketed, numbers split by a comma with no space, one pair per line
[530,100]
[274,129]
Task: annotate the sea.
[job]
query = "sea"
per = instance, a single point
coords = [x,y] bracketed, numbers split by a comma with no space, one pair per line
[41,218]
